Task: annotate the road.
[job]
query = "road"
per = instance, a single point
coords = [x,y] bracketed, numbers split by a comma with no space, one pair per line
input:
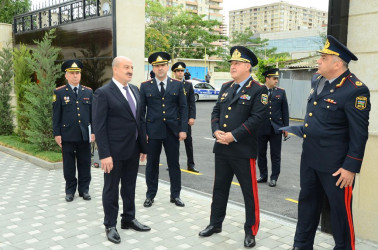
[279,200]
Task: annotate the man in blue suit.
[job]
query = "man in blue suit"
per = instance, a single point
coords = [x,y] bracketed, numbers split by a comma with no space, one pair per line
[118,122]
[166,125]
[334,137]
[72,120]
[278,116]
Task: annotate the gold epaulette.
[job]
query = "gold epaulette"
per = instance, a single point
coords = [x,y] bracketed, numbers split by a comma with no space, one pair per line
[60,87]
[86,87]
[227,82]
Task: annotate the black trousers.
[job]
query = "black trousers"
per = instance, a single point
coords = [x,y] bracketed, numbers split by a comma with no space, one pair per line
[314,185]
[125,171]
[189,147]
[245,171]
[275,142]
[172,150]
[80,153]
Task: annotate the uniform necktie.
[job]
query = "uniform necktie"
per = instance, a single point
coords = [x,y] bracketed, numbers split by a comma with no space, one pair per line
[75,91]
[130,100]
[235,90]
[270,94]
[162,89]
[321,86]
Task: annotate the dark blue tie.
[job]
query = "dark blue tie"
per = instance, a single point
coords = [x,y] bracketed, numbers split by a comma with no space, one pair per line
[130,100]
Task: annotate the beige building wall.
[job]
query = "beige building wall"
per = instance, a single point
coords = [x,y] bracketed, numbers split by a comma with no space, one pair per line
[130,16]
[6,35]
[363,16]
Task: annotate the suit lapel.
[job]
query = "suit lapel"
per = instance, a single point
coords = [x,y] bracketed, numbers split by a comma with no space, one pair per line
[155,87]
[241,91]
[80,92]
[117,93]
[169,85]
[70,92]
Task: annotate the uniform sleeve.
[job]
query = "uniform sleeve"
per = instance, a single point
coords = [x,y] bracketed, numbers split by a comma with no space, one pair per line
[256,117]
[57,114]
[183,107]
[285,110]
[357,110]
[143,105]
[216,112]
[90,111]
[100,114]
[192,103]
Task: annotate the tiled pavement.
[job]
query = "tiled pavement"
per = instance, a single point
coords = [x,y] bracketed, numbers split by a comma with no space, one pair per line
[34,215]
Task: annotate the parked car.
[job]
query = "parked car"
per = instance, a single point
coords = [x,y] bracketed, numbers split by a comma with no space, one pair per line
[204,91]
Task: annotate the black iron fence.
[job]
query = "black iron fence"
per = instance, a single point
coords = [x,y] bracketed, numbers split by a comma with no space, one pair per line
[60,13]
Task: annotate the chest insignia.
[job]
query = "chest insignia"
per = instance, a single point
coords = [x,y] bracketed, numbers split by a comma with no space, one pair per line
[331,90]
[66,99]
[225,94]
[264,99]
[330,101]
[311,91]
[54,98]
[245,97]
[361,102]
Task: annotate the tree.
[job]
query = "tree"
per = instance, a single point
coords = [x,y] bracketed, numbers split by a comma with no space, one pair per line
[267,64]
[10,8]
[22,79]
[6,74]
[155,41]
[40,94]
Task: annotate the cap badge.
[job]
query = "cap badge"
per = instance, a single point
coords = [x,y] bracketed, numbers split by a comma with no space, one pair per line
[74,65]
[236,54]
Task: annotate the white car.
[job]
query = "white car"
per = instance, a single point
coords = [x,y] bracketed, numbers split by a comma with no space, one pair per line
[204,91]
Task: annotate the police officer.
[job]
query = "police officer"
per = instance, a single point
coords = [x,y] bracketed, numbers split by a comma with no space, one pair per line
[236,117]
[334,138]
[278,117]
[178,70]
[166,125]
[72,118]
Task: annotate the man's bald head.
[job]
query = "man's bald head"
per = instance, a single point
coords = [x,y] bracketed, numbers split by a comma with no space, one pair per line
[122,69]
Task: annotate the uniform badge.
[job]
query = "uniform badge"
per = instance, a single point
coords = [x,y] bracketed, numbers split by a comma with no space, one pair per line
[184,88]
[330,101]
[264,99]
[66,99]
[54,98]
[361,102]
[311,91]
[245,97]
[225,94]
[358,83]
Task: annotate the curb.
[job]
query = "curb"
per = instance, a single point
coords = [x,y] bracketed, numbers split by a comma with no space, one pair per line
[32,159]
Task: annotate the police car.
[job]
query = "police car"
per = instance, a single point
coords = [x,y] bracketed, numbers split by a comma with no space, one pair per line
[204,91]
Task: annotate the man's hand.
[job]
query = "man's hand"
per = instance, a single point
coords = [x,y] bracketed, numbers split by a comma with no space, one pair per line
[107,164]
[346,177]
[285,133]
[143,157]
[182,136]
[191,121]
[58,140]
[225,138]
[93,138]
[219,134]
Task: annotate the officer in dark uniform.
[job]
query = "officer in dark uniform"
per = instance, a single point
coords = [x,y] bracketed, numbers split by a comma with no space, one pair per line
[278,117]
[166,124]
[72,118]
[178,70]
[236,117]
[334,138]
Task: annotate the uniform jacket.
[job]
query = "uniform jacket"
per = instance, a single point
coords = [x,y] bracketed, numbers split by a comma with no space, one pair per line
[190,101]
[336,124]
[115,125]
[168,111]
[241,115]
[278,112]
[71,115]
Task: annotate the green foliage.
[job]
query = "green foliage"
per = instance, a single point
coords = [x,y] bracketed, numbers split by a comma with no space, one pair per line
[40,94]
[13,141]
[264,65]
[180,33]
[6,74]
[9,8]
[22,79]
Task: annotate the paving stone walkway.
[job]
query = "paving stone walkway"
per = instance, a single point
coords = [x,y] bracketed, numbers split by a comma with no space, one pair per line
[34,215]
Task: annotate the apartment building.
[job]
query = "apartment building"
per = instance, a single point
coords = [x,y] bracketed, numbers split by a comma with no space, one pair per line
[276,17]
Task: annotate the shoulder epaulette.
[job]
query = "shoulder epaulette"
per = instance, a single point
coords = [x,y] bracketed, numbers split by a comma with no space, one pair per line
[60,87]
[254,81]
[227,82]
[280,88]
[86,87]
[149,80]
[355,81]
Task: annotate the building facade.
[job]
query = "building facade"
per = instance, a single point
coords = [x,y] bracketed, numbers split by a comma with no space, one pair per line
[276,17]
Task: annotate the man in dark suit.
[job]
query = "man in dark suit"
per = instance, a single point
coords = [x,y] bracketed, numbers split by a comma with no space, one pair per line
[236,117]
[118,122]
[72,121]
[166,123]
[278,117]
[334,137]
[178,70]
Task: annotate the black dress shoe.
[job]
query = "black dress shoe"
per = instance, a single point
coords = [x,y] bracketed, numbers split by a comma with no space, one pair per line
[178,202]
[134,224]
[272,183]
[193,169]
[85,196]
[210,230]
[113,235]
[69,197]
[148,202]
[261,180]
[249,240]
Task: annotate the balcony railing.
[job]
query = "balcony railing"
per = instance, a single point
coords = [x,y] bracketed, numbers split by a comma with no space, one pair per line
[61,13]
